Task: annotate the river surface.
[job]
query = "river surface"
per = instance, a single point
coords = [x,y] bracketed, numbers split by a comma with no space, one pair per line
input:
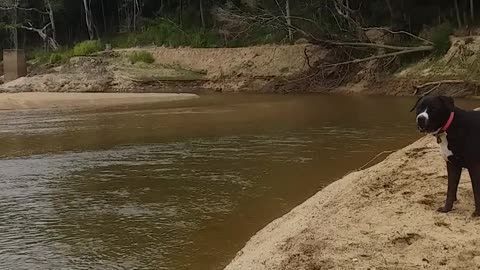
[180,185]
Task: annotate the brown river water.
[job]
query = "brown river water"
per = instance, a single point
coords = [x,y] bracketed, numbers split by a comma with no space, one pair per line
[181,185]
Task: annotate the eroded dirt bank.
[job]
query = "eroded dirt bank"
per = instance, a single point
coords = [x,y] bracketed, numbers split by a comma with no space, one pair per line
[383,217]
[175,70]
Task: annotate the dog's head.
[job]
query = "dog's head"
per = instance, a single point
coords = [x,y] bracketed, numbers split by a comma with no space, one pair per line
[433,112]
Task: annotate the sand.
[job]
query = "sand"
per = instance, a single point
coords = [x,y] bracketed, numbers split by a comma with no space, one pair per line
[37,100]
[383,217]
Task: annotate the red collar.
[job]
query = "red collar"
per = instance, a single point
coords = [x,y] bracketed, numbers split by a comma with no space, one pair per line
[449,122]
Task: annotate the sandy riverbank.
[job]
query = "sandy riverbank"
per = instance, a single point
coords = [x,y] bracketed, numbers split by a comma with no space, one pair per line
[380,218]
[36,100]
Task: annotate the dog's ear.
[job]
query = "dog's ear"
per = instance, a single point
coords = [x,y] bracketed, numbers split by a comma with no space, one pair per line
[448,101]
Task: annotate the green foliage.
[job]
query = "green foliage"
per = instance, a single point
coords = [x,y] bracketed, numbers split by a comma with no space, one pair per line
[87,47]
[440,36]
[60,57]
[165,33]
[41,56]
[141,56]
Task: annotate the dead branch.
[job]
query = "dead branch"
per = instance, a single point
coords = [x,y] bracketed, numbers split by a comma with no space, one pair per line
[42,33]
[437,83]
[426,93]
[381,46]
[398,32]
[360,60]
[307,58]
[8,8]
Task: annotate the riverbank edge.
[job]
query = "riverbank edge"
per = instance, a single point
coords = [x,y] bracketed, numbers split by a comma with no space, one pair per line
[269,69]
[383,217]
[47,100]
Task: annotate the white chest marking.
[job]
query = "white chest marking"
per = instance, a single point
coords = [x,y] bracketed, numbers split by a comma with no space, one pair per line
[444,146]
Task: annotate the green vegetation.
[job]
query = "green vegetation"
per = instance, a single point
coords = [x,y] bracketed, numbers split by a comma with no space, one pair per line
[440,36]
[222,23]
[164,33]
[142,56]
[87,48]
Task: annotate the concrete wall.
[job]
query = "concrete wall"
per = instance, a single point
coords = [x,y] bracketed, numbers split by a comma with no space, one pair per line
[14,64]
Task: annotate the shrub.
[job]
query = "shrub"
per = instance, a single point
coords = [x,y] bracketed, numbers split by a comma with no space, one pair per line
[87,47]
[160,32]
[141,56]
[440,36]
[56,58]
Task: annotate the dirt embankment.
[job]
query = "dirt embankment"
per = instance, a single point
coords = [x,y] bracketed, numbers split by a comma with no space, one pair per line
[457,74]
[268,68]
[174,70]
[383,217]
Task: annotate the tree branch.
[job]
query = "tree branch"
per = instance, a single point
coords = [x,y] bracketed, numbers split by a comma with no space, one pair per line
[375,45]
[438,82]
[356,61]
[398,32]
[6,8]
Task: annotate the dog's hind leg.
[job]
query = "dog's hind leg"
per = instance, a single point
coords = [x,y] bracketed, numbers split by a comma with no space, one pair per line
[474,172]
[454,173]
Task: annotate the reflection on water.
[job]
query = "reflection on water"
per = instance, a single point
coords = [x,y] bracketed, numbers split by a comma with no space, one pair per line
[177,186]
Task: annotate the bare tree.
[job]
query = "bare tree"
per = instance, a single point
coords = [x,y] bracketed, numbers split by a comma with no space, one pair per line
[202,16]
[14,6]
[137,12]
[288,19]
[48,6]
[89,18]
[457,12]
[103,17]
[472,11]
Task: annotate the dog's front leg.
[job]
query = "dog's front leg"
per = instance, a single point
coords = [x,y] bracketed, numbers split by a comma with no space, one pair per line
[474,172]
[454,173]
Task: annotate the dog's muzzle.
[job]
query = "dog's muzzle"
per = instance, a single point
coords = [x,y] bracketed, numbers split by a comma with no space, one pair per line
[422,122]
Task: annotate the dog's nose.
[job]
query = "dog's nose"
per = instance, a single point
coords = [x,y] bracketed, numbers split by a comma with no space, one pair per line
[421,121]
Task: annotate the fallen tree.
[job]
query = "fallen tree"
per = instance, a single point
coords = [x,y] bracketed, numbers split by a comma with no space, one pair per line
[355,46]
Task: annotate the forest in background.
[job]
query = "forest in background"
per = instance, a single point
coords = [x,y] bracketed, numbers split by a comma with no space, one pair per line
[59,24]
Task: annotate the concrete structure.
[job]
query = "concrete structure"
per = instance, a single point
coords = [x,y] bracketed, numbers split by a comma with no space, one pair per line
[14,64]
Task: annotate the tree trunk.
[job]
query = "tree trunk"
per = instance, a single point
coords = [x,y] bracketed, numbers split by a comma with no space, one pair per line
[104,18]
[15,29]
[180,14]
[202,16]
[472,11]
[162,6]
[390,9]
[457,12]
[52,20]
[88,19]
[288,19]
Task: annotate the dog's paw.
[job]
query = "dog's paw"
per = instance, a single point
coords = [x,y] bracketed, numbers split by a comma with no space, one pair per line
[444,209]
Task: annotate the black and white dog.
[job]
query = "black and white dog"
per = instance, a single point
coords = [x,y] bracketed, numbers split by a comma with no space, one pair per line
[458,135]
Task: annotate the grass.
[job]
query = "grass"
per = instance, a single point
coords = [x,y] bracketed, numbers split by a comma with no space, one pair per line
[87,47]
[162,32]
[141,56]
[42,57]
[61,56]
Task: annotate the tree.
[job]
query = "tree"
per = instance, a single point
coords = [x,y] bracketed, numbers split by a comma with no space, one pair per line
[89,18]
[14,7]
[288,19]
